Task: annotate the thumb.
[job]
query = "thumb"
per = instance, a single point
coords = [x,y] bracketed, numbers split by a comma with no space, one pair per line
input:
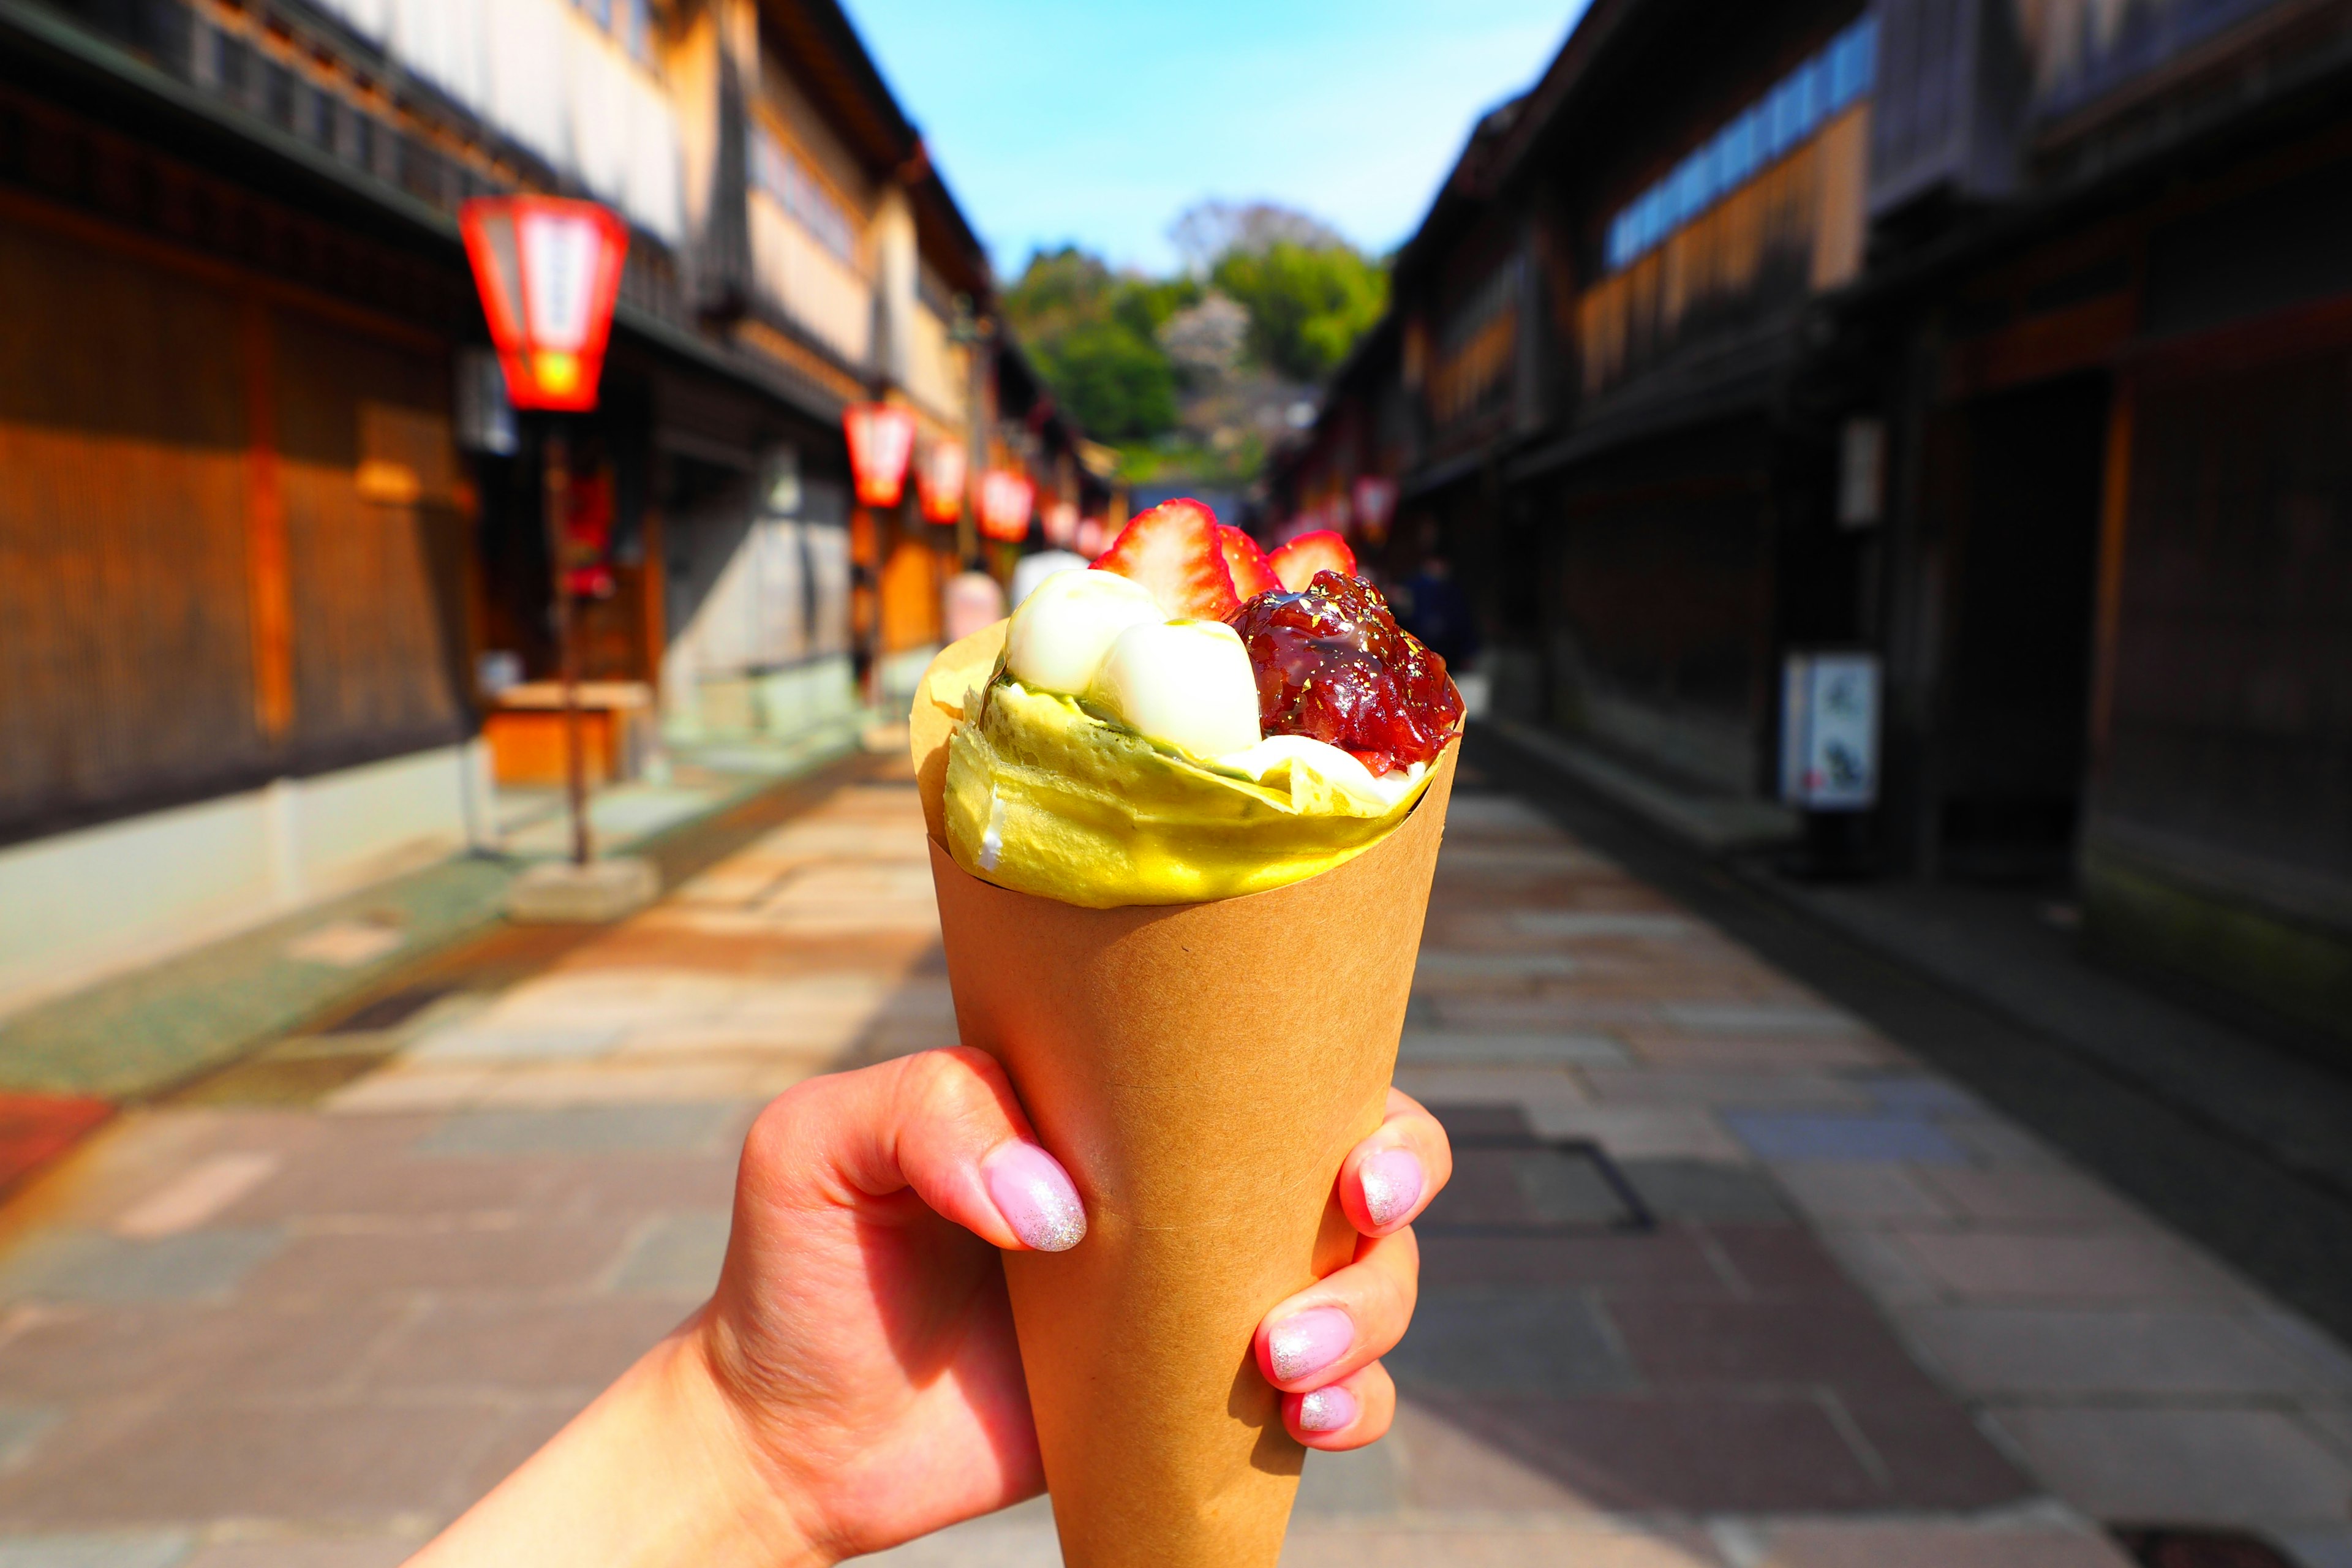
[943,1123]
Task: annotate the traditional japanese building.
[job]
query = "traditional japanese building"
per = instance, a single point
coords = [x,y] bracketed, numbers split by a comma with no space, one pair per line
[2006,339]
[271,546]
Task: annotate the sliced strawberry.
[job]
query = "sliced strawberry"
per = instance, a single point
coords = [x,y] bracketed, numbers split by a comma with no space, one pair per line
[1252,574]
[1173,550]
[1322,551]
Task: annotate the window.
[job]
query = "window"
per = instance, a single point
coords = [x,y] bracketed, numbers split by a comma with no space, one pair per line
[777,170]
[1792,109]
[629,21]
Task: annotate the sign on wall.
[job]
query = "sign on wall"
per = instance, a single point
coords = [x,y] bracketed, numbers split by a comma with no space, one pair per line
[1829,731]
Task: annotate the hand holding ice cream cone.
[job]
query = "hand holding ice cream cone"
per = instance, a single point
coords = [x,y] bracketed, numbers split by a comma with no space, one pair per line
[1182,845]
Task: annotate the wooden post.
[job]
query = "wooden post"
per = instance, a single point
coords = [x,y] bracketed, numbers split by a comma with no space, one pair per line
[557,483]
[268,574]
[2115,519]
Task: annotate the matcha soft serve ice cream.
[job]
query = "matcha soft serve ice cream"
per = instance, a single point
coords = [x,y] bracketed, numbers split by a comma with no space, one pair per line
[1150,737]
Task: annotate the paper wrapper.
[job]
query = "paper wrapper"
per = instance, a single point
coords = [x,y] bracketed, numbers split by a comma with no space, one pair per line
[1201,1070]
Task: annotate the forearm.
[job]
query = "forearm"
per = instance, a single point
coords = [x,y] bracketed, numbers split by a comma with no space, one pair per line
[656,1471]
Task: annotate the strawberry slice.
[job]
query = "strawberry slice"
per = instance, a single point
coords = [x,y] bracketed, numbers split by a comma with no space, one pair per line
[1251,572]
[1322,551]
[1173,550]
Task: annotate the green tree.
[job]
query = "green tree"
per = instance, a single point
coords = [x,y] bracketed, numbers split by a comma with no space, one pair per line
[1307,303]
[1093,334]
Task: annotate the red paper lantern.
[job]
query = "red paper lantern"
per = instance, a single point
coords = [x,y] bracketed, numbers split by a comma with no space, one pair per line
[1061,525]
[939,482]
[549,271]
[1005,496]
[881,438]
[1376,498]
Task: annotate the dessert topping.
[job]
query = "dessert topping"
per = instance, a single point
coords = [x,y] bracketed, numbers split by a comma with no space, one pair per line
[1252,573]
[1174,551]
[1322,551]
[1333,665]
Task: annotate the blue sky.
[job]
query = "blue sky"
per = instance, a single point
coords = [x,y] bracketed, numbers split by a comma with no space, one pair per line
[1100,120]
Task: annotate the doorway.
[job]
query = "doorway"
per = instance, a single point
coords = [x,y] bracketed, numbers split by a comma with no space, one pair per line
[2017,699]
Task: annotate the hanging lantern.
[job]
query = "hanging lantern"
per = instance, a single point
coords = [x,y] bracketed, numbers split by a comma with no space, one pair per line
[939,482]
[1005,496]
[1091,537]
[1061,523]
[1376,498]
[881,438]
[548,272]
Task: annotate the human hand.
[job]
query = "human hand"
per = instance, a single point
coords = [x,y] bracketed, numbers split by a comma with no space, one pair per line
[854,1382]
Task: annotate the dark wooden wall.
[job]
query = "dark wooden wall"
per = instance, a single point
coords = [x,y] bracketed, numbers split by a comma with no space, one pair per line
[194,595]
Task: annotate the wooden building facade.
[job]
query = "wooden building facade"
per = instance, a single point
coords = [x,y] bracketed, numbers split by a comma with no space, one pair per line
[272,548]
[2007,340]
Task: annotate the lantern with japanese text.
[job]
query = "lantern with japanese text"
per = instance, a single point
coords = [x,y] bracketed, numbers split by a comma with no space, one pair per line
[881,438]
[939,482]
[549,271]
[1005,495]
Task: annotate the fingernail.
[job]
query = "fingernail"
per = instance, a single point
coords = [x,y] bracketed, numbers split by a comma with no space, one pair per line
[1309,1341]
[1327,1410]
[1034,1195]
[1392,1182]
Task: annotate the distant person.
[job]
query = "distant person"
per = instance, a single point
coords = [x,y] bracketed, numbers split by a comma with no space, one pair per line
[1437,611]
[973,601]
[854,1382]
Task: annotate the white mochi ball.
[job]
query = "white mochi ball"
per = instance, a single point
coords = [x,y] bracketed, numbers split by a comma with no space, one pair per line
[1061,630]
[1186,684]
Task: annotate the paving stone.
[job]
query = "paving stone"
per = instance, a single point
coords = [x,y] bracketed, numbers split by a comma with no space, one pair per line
[1736,1053]
[176,1350]
[484,1041]
[1476,812]
[1831,1135]
[1509,1340]
[1439,1046]
[1650,925]
[1668,1264]
[1724,1090]
[1887,1269]
[1932,1544]
[2145,1268]
[21,1426]
[1758,1018]
[1844,1190]
[200,1461]
[676,1255]
[2253,1467]
[2033,1195]
[599,1130]
[564,1255]
[89,1266]
[1917,1094]
[2044,1353]
[1020,1537]
[2319,1548]
[1769,1343]
[1640,1131]
[1699,1454]
[1702,1190]
[2333,1424]
[2328,1360]
[1361,1482]
[1477,1541]
[1928,1453]
[107,1549]
[1521,1086]
[1778,1262]
[382,1552]
[529,1345]
[2003,1144]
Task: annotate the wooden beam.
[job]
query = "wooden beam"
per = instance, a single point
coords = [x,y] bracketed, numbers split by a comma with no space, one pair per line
[269,582]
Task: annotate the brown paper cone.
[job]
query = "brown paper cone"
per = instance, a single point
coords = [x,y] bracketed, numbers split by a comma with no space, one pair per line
[1201,1070]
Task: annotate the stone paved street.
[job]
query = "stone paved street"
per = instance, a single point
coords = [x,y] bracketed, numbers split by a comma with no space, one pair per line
[1724,1278]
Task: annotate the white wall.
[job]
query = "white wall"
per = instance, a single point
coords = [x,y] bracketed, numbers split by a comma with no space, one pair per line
[76,907]
[543,73]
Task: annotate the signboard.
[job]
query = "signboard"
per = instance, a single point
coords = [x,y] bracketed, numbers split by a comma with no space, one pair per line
[1829,731]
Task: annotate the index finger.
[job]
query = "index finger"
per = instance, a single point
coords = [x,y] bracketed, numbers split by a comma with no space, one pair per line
[1389,1178]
